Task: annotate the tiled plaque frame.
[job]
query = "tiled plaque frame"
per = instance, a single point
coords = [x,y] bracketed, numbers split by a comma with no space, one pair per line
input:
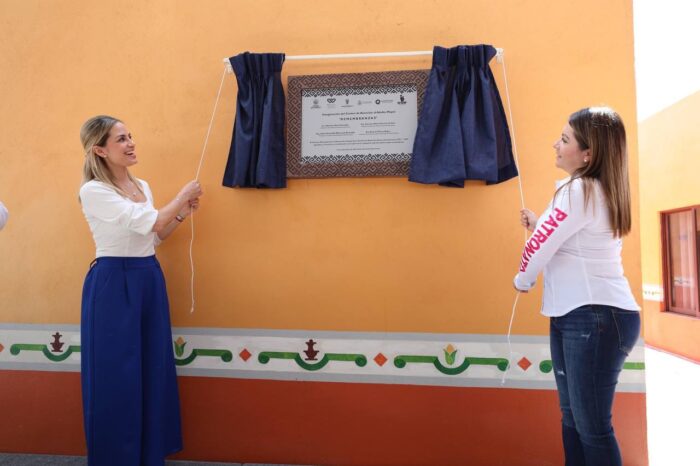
[393,82]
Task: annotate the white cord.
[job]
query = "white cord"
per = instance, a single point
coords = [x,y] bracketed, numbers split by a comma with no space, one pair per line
[510,349]
[199,168]
[502,60]
[512,130]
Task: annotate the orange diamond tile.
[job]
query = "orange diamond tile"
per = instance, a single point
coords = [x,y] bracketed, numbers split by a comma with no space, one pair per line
[245,354]
[524,363]
[380,359]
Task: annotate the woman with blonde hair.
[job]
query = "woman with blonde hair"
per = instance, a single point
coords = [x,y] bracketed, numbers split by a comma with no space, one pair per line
[130,398]
[594,319]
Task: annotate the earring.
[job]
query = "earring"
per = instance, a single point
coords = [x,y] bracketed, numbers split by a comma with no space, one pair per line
[585,160]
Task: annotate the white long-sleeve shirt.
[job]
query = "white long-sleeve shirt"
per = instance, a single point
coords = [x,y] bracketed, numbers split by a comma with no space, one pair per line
[576,248]
[3,215]
[120,227]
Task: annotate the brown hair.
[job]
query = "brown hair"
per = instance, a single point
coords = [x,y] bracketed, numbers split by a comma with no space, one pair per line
[602,132]
[95,132]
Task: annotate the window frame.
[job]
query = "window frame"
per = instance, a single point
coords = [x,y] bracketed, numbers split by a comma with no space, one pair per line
[666,258]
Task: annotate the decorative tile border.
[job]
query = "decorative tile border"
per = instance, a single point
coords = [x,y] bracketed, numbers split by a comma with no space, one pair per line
[393,358]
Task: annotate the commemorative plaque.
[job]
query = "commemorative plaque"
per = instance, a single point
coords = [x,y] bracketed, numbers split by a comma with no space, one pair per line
[349,125]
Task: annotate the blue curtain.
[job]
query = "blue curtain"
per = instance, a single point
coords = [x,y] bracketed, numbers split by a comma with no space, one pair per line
[257,158]
[462,131]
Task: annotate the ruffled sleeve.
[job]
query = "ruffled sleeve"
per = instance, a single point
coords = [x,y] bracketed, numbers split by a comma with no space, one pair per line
[104,203]
[149,197]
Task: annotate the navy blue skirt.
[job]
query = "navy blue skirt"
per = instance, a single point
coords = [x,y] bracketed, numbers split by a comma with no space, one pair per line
[131,407]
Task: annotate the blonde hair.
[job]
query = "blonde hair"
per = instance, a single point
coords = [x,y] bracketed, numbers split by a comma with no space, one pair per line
[602,132]
[95,132]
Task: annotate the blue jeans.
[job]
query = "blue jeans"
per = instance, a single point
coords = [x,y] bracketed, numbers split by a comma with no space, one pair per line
[589,345]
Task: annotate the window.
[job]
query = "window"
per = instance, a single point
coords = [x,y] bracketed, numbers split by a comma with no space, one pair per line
[679,246]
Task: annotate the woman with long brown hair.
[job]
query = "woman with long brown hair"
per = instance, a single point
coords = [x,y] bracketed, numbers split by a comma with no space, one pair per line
[130,400]
[594,319]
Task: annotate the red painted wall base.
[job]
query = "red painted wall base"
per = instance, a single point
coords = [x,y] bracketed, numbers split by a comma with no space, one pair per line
[261,421]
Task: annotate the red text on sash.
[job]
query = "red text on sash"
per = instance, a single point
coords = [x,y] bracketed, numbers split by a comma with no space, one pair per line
[541,235]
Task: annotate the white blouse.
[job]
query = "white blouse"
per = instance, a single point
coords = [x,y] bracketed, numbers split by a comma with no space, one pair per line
[120,226]
[575,247]
[3,215]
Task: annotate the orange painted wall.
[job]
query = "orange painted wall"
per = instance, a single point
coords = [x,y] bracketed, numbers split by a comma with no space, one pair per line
[342,254]
[669,145]
[338,254]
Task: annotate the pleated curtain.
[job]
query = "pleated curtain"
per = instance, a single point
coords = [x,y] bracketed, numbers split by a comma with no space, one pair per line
[257,157]
[462,131]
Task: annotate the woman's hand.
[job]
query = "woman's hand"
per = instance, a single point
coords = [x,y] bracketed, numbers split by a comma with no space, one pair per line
[515,285]
[528,219]
[189,208]
[519,290]
[190,191]
[183,204]
[165,231]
